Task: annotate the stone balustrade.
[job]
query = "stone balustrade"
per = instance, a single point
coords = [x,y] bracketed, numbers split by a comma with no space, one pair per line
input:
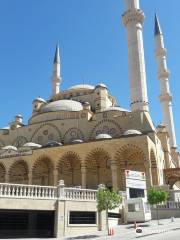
[27,191]
[78,194]
[8,190]
[169,205]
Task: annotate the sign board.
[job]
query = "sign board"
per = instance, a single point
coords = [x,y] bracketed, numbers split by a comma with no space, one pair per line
[135,175]
[135,183]
[135,179]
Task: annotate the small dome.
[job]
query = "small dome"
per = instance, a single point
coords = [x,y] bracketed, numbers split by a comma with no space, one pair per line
[86,103]
[116,109]
[62,105]
[103,136]
[82,86]
[132,132]
[101,85]
[77,141]
[9,148]
[39,100]
[52,144]
[161,126]
[32,145]
[19,116]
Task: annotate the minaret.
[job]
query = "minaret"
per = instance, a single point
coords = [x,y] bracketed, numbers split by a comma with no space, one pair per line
[163,76]
[133,19]
[56,78]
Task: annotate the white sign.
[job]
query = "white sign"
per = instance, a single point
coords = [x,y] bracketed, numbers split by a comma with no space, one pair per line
[135,183]
[135,179]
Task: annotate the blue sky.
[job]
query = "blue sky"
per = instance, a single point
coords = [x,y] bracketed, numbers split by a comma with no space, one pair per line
[93,49]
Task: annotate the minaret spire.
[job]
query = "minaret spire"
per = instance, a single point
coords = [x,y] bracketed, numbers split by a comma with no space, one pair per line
[163,76]
[133,19]
[56,78]
[157,27]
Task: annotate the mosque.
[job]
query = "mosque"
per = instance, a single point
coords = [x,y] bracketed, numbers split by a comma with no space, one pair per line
[82,136]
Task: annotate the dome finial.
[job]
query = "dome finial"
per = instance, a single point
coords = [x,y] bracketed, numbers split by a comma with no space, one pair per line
[157,28]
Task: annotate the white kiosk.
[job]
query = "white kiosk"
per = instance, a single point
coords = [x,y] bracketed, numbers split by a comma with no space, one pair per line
[137,207]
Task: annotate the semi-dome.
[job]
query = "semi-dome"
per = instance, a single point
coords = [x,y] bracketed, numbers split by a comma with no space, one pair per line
[132,132]
[9,147]
[82,86]
[116,109]
[32,145]
[103,136]
[62,105]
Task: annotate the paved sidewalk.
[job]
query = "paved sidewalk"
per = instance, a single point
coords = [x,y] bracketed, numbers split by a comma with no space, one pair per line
[127,232]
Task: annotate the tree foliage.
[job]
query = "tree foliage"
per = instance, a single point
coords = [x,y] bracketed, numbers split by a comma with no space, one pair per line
[107,200]
[156,196]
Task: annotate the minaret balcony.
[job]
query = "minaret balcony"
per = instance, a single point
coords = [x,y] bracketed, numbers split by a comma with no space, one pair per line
[135,15]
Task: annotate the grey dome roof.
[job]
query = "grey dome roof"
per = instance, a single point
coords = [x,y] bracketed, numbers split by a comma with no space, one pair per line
[132,132]
[77,141]
[9,148]
[82,86]
[52,143]
[39,100]
[32,145]
[103,136]
[116,109]
[62,105]
[101,85]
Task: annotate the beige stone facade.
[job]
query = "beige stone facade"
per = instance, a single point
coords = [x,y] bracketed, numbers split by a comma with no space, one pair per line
[83,137]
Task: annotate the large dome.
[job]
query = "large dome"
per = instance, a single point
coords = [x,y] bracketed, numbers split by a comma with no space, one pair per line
[82,86]
[62,105]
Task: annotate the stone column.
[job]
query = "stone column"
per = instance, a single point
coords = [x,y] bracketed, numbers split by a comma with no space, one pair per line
[7,178]
[83,176]
[148,175]
[55,177]
[30,177]
[114,176]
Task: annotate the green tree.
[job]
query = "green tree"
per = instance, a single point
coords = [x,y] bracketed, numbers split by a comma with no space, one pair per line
[107,200]
[156,197]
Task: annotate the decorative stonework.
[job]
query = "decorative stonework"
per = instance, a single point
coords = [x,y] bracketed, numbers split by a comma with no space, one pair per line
[106,126]
[45,133]
[73,134]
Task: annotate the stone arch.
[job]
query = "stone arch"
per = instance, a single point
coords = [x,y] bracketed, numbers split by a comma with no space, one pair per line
[72,134]
[18,172]
[46,132]
[154,169]
[172,176]
[2,173]
[69,169]
[129,157]
[106,126]
[98,168]
[42,171]
[19,141]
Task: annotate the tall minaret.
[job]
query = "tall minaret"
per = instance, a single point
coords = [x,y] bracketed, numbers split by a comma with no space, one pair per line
[163,75]
[133,19]
[56,78]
